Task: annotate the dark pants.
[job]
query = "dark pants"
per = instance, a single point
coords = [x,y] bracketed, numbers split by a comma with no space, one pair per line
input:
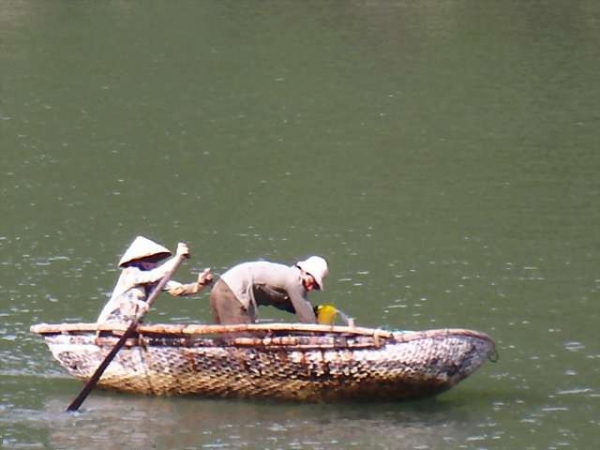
[226,308]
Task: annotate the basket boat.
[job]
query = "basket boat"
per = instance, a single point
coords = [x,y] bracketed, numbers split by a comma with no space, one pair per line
[314,363]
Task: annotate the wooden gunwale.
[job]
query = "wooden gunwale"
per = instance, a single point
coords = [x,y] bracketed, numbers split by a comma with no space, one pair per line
[273,332]
[189,330]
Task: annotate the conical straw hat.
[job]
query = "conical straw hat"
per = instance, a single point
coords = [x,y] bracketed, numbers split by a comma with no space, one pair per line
[142,248]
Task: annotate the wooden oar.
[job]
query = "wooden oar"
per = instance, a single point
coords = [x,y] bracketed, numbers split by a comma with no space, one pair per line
[130,331]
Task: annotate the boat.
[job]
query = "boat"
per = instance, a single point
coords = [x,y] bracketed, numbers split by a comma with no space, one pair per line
[281,361]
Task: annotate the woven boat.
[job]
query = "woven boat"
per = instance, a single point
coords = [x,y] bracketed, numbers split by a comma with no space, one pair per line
[313,363]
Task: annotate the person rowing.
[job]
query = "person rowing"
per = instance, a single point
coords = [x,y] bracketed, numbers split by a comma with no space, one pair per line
[142,270]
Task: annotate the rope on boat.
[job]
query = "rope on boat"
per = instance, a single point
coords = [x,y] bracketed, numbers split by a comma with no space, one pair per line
[494,356]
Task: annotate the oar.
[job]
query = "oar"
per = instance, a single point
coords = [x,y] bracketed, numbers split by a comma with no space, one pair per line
[74,406]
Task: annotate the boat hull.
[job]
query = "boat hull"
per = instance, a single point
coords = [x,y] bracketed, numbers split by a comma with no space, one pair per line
[302,366]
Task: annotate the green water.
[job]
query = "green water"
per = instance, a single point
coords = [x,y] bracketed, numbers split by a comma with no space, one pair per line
[442,155]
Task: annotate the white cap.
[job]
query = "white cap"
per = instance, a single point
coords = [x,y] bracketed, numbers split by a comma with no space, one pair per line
[316,267]
[142,248]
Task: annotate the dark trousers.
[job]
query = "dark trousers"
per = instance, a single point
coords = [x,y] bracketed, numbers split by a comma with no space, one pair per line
[226,308]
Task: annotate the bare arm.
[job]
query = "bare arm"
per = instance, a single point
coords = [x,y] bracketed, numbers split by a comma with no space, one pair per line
[205,278]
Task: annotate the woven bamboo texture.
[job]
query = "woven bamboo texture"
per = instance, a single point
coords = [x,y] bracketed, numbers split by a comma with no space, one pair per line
[276,361]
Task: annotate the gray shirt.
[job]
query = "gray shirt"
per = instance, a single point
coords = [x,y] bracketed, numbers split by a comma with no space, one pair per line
[267,283]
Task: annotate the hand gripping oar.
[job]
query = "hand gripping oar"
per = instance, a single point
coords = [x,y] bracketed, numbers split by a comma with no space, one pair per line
[74,406]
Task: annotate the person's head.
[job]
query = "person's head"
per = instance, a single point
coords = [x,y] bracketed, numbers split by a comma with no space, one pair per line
[314,270]
[144,254]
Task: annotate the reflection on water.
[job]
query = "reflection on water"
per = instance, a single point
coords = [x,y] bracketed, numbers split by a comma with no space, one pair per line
[111,422]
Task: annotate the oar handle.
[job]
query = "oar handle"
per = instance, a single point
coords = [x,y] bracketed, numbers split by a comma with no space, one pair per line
[163,282]
[74,406]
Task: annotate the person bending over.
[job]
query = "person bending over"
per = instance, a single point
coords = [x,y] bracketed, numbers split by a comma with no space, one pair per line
[239,292]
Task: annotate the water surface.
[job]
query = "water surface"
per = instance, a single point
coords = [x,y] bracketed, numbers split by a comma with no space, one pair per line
[442,155]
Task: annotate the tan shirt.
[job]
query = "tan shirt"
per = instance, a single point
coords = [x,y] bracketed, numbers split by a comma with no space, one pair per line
[132,288]
[267,283]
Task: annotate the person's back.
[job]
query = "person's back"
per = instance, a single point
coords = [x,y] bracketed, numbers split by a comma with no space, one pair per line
[265,277]
[237,295]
